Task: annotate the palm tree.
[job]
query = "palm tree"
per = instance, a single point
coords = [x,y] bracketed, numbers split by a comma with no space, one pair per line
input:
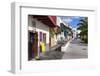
[83,26]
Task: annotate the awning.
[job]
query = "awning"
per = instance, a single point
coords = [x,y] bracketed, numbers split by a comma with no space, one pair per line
[47,20]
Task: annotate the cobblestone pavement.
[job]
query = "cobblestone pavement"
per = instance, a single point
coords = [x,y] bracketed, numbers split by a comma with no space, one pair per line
[76,50]
[52,55]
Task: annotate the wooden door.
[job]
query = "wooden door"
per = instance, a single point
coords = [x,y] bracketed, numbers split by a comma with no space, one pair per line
[32,45]
[35,45]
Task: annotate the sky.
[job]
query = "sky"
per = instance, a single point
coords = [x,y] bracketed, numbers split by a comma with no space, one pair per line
[71,20]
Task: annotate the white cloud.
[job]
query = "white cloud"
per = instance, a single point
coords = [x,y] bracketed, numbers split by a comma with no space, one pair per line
[67,20]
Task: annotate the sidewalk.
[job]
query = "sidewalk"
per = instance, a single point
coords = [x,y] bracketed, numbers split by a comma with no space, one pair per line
[53,53]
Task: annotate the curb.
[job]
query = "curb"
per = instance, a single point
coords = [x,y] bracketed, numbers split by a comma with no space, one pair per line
[64,48]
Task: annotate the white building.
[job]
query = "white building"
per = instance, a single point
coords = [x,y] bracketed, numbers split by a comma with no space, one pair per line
[74,32]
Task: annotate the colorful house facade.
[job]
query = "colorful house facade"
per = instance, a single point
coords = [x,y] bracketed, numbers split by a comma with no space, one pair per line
[66,30]
[38,32]
[45,32]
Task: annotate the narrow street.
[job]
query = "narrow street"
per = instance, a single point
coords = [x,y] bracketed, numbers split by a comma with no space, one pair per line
[76,50]
[54,39]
